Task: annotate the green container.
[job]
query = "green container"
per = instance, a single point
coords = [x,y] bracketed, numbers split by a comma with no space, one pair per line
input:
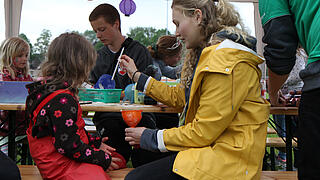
[100,95]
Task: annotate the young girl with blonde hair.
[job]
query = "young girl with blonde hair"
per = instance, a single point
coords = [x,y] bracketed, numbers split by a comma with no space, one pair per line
[58,142]
[223,123]
[14,56]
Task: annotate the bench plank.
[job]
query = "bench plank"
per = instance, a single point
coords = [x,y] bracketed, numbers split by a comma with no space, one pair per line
[31,172]
[279,175]
[119,174]
[271,131]
[278,142]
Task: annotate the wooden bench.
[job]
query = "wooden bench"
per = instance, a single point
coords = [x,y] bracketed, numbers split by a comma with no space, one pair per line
[271,131]
[120,174]
[31,172]
[278,142]
[279,175]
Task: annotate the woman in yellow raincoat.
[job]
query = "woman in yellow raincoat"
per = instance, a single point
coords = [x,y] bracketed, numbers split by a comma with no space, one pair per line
[223,122]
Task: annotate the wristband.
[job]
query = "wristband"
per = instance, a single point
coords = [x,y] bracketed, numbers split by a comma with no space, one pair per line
[133,75]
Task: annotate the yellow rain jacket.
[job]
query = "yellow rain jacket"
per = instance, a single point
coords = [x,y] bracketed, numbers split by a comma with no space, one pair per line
[225,129]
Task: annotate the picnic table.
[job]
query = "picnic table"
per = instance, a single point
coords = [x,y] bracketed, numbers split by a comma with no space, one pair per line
[117,107]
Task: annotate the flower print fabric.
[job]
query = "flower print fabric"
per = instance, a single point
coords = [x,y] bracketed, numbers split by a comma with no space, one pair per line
[66,132]
[58,119]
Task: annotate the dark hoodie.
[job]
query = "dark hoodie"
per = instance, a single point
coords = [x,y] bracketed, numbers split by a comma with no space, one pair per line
[107,60]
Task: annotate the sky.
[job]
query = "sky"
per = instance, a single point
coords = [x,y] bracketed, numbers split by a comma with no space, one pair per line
[61,16]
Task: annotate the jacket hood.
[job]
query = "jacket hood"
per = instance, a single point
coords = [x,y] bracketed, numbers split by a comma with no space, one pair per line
[38,91]
[226,55]
[250,42]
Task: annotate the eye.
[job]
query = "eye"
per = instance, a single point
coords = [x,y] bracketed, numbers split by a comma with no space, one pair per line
[101,29]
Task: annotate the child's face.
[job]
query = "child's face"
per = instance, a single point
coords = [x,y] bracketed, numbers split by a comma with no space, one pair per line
[172,60]
[20,61]
[105,31]
[187,28]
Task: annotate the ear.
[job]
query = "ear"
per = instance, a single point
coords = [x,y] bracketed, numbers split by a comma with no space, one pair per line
[198,15]
[116,24]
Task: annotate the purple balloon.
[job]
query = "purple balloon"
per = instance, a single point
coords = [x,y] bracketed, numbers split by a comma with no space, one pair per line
[127,7]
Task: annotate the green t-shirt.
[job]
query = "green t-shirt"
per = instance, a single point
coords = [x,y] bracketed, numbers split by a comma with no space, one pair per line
[306,16]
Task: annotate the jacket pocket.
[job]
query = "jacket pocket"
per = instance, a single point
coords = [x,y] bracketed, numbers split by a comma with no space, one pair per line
[232,138]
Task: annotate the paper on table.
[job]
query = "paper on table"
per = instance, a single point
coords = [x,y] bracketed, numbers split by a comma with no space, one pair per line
[101,86]
[115,69]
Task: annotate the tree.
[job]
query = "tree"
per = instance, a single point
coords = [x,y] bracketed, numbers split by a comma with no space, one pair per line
[146,35]
[91,36]
[43,41]
[41,47]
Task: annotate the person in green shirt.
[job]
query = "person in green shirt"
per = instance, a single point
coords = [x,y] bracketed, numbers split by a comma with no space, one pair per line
[286,24]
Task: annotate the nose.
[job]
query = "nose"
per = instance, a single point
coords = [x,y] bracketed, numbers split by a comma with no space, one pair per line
[98,34]
[24,58]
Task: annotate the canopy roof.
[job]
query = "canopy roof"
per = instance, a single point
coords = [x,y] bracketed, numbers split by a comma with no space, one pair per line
[12,17]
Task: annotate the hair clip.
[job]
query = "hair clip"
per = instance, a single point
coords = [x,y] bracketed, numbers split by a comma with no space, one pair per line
[175,45]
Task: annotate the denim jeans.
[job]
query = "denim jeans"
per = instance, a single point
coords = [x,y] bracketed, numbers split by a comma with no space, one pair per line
[280,123]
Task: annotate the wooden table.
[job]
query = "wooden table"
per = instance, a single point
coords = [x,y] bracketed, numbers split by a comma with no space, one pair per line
[95,106]
[105,107]
[117,107]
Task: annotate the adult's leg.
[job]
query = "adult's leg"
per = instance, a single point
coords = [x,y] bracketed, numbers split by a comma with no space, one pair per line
[156,170]
[8,168]
[167,120]
[112,126]
[140,156]
[309,135]
[280,120]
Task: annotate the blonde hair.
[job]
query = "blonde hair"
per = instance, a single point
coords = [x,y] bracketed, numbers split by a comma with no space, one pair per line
[9,49]
[165,47]
[217,16]
[70,58]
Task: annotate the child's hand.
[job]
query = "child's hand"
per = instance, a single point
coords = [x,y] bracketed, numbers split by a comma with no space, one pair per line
[104,147]
[114,165]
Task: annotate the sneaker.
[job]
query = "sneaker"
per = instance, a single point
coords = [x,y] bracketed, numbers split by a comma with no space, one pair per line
[281,159]
[280,163]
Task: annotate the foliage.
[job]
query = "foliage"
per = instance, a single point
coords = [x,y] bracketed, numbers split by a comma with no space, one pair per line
[91,36]
[146,35]
[40,48]
[43,41]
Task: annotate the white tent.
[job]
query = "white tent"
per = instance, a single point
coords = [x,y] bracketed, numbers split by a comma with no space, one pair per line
[12,17]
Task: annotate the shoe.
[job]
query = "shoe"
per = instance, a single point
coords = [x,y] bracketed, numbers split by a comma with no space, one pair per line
[281,159]
[280,163]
